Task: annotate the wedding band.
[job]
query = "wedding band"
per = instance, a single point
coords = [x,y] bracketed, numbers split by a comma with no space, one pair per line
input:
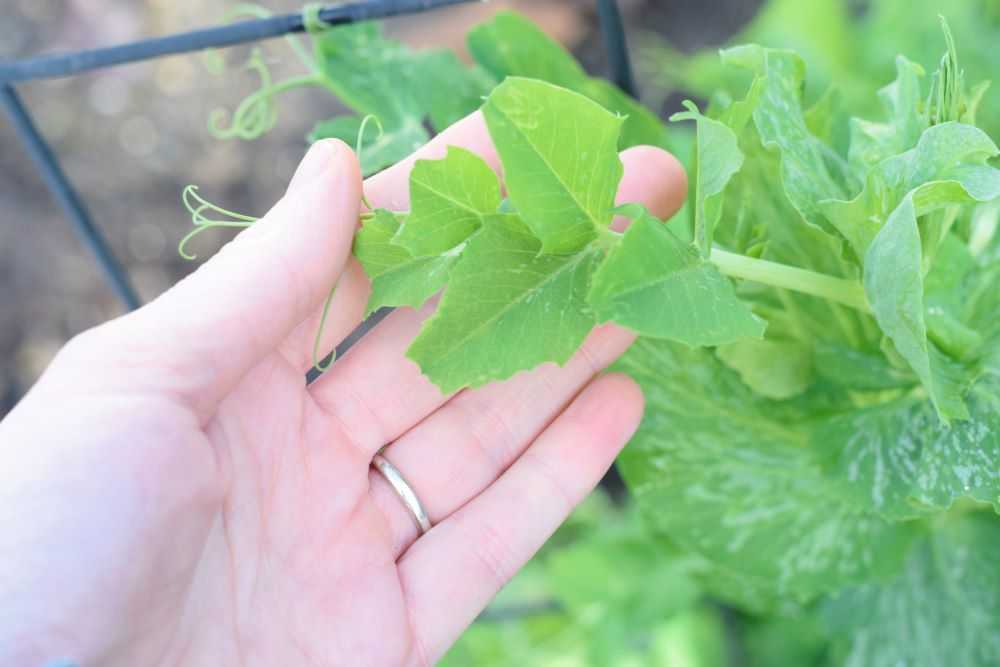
[404,491]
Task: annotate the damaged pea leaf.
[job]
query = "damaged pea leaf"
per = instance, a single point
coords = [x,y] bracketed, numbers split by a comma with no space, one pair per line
[727,474]
[903,462]
[895,287]
[508,307]
[377,76]
[811,171]
[560,158]
[449,199]
[398,278]
[657,285]
[940,610]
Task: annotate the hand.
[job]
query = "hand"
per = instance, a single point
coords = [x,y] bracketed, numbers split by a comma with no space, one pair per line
[171,491]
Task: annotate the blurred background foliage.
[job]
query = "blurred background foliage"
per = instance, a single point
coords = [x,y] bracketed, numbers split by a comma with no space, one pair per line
[603,592]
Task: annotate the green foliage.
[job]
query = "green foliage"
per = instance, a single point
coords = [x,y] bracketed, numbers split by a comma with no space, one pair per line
[504,298]
[511,45]
[546,259]
[899,460]
[851,459]
[601,594]
[854,52]
[405,89]
[398,278]
[728,474]
[444,210]
[941,609]
[543,134]
[651,267]
[820,347]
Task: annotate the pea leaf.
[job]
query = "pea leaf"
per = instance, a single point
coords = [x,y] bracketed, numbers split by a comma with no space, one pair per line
[374,75]
[810,171]
[940,610]
[899,459]
[718,158]
[504,301]
[873,142]
[441,70]
[947,166]
[449,199]
[726,474]
[895,286]
[511,45]
[642,127]
[398,278]
[560,158]
[652,268]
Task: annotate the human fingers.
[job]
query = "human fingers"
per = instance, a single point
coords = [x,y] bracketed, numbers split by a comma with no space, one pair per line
[450,575]
[389,189]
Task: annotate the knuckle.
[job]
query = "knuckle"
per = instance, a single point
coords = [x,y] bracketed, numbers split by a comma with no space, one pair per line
[565,497]
[84,348]
[493,552]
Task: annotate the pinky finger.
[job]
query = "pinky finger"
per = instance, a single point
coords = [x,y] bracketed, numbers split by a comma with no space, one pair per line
[452,573]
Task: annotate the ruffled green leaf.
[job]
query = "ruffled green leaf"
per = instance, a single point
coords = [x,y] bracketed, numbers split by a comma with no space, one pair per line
[810,171]
[873,142]
[947,166]
[899,459]
[941,610]
[727,474]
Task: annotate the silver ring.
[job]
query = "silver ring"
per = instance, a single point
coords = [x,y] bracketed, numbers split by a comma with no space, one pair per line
[404,491]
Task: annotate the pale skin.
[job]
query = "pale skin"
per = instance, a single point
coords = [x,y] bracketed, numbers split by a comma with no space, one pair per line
[171,491]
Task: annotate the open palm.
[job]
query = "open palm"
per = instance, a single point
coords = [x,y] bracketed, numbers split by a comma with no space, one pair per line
[173,493]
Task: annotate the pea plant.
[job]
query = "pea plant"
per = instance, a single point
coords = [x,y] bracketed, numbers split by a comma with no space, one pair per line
[819,337]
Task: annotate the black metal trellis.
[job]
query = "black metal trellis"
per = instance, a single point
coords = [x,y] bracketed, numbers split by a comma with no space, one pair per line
[69,64]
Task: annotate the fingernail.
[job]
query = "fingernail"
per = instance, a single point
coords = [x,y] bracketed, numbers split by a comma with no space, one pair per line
[316,161]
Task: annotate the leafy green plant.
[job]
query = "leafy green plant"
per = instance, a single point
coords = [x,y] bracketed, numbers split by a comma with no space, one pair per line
[820,340]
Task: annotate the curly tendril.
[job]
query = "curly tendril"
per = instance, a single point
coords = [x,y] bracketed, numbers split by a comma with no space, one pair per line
[359,146]
[198,206]
[318,341]
[257,114]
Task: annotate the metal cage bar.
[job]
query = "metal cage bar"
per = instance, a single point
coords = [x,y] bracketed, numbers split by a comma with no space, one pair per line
[69,64]
[65,194]
[253,30]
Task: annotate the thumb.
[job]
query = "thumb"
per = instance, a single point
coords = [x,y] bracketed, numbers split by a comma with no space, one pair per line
[215,325]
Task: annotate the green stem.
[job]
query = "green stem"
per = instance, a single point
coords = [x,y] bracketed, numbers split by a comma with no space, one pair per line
[848,292]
